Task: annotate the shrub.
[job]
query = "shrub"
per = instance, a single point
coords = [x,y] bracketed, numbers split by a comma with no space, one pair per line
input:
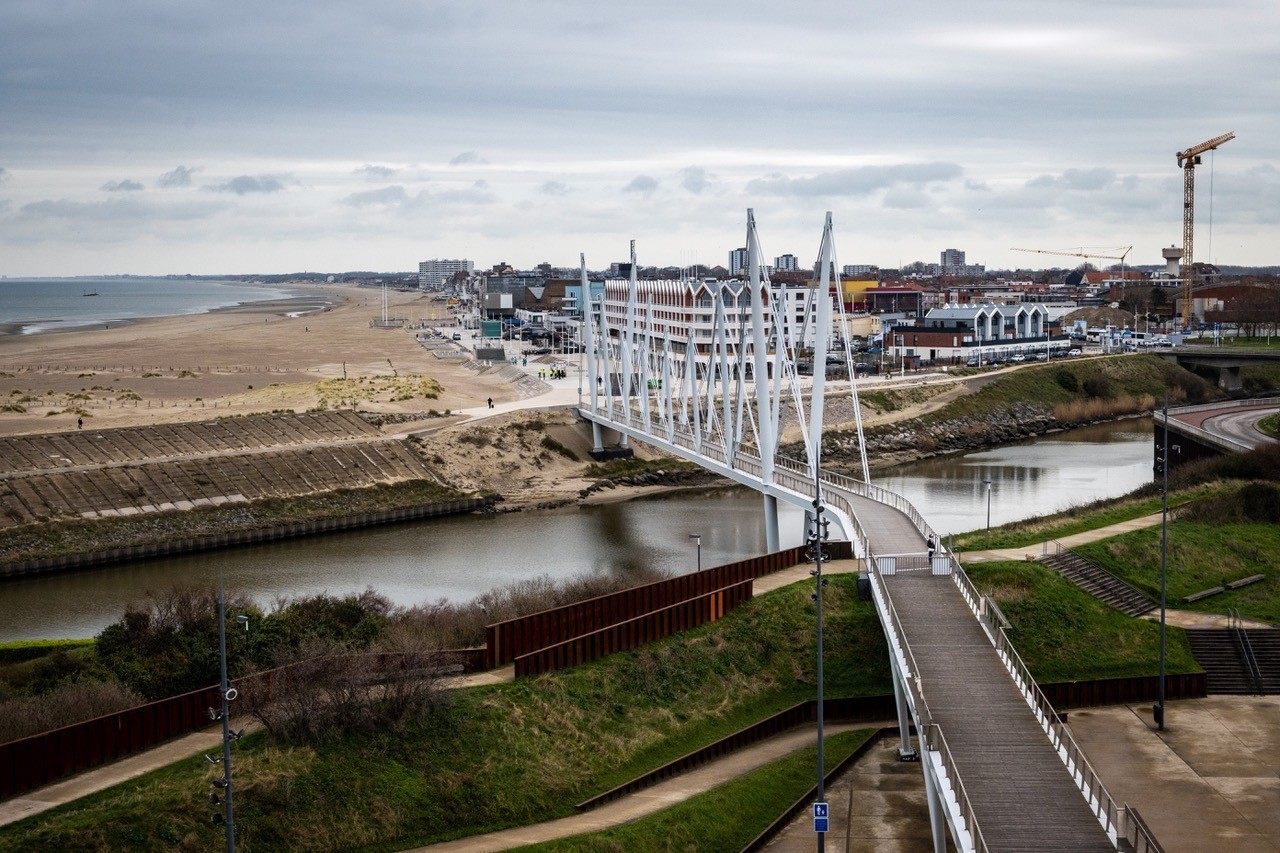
[1099,387]
[71,703]
[1067,380]
[324,690]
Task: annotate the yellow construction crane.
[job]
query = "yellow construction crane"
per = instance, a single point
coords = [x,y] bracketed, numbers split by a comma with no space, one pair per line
[1187,161]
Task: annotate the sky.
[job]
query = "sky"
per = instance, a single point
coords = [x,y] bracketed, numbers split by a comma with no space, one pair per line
[166,136]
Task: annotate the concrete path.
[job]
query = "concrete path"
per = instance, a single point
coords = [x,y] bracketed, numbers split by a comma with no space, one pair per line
[660,796]
[1210,781]
[1031,552]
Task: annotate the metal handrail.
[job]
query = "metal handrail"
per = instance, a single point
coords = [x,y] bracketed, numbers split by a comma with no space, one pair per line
[1138,834]
[1102,804]
[1235,622]
[936,741]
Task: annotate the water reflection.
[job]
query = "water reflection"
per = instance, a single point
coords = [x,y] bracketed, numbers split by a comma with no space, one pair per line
[1028,479]
[459,558]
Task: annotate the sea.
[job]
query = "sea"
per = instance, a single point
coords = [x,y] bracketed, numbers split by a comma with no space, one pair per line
[37,305]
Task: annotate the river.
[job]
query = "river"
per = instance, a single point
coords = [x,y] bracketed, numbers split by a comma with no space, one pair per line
[461,557]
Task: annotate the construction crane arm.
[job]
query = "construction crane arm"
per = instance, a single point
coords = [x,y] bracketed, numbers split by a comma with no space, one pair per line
[1208,145]
[1082,252]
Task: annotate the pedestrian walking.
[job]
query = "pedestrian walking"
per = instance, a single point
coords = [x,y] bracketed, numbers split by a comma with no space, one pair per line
[933,546]
[79,423]
[491,402]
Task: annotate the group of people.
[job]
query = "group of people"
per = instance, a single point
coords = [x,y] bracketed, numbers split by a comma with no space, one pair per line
[553,373]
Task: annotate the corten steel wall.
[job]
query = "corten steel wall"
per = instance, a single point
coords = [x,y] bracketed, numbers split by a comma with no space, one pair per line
[37,760]
[43,758]
[635,632]
[1118,691]
[508,640]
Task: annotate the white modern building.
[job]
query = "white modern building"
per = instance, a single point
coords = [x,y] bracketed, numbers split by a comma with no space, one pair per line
[738,262]
[435,274]
[978,333]
[673,310]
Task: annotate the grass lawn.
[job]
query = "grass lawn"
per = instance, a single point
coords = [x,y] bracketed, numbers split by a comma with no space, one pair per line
[1063,633]
[722,819]
[1200,556]
[1144,501]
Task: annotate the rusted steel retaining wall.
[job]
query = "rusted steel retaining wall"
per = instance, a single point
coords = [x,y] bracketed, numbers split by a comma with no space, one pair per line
[509,640]
[1120,691]
[242,537]
[635,632]
[44,758]
[40,759]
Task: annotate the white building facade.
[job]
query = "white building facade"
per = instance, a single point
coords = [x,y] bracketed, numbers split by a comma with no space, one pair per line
[436,273]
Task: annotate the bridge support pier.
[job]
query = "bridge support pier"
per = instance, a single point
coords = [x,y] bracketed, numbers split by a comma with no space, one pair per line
[1229,379]
[597,440]
[771,537]
[933,791]
[906,752]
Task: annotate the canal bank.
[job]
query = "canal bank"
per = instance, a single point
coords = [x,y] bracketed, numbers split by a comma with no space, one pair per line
[461,557]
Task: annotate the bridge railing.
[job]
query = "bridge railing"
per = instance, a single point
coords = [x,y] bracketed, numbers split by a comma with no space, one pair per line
[1211,439]
[793,476]
[989,614]
[1108,812]
[935,741]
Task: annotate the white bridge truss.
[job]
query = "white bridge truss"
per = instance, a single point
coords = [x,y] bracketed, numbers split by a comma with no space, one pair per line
[721,396]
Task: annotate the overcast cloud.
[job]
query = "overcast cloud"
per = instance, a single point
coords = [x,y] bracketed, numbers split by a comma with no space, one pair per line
[149,138]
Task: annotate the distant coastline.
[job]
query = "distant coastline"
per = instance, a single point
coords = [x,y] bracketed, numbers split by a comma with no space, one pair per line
[58,306]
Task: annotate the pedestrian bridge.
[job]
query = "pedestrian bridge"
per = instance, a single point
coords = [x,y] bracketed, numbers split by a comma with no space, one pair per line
[1001,771]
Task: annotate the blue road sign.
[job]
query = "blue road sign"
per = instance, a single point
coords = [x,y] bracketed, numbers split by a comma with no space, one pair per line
[819,817]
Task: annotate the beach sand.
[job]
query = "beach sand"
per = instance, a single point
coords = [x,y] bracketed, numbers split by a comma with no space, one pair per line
[239,360]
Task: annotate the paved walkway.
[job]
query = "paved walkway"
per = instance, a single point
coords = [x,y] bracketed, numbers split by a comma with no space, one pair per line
[1031,552]
[653,799]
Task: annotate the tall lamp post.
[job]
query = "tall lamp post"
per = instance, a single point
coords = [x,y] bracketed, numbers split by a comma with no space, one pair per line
[816,540]
[987,483]
[1162,461]
[697,538]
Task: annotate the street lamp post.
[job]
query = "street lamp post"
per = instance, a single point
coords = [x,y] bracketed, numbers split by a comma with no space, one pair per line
[816,539]
[987,483]
[697,538]
[1158,710]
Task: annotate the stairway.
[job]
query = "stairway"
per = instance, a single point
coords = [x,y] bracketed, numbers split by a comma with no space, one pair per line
[1099,583]
[1218,651]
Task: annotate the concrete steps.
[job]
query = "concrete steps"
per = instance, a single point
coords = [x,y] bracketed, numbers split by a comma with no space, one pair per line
[1219,652]
[1099,583]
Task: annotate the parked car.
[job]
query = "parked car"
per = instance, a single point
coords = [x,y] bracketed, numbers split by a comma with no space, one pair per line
[457,336]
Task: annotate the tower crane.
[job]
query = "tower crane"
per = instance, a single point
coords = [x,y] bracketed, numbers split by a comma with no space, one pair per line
[1084,252]
[1187,161]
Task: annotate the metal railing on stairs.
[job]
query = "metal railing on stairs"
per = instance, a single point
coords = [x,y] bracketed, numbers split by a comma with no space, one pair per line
[1235,622]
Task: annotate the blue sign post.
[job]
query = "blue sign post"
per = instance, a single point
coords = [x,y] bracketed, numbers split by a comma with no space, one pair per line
[819,817]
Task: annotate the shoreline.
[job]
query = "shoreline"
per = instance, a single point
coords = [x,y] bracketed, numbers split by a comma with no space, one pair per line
[281,305]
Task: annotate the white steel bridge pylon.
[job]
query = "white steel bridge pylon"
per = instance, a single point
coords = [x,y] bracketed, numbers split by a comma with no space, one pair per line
[711,371]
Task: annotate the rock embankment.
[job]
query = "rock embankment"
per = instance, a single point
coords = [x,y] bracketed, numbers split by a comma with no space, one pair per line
[902,441]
